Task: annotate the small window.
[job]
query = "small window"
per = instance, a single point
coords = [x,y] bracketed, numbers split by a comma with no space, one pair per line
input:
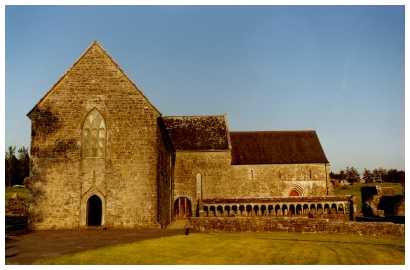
[251,174]
[199,186]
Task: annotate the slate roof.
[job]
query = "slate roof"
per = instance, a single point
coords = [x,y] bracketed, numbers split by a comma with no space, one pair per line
[276,147]
[198,133]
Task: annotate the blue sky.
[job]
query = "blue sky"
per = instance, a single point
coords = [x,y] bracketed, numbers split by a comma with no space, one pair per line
[337,70]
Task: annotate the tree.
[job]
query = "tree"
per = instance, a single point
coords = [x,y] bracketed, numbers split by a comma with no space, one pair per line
[11,165]
[23,165]
[401,179]
[342,175]
[7,169]
[367,176]
[379,174]
[17,168]
[334,176]
[352,175]
[393,176]
[337,176]
[390,176]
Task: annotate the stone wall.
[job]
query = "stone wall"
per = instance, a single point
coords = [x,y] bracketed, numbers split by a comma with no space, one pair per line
[124,177]
[212,167]
[166,163]
[255,224]
[279,180]
[220,179]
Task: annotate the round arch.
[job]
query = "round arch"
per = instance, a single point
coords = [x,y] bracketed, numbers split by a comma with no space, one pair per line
[182,207]
[295,190]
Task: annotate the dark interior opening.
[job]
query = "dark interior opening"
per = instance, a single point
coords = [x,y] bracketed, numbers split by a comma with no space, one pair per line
[94,211]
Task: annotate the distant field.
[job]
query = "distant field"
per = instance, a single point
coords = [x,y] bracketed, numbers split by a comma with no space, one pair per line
[246,248]
[355,190]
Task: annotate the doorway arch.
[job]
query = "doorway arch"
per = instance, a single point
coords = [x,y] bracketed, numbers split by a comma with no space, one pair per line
[182,208]
[94,211]
[294,192]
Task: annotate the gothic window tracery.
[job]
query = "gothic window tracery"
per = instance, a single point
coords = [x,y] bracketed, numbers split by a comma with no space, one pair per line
[94,135]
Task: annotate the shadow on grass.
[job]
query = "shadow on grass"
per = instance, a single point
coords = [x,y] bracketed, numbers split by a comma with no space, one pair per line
[25,249]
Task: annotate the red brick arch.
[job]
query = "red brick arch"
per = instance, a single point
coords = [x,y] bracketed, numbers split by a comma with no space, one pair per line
[295,190]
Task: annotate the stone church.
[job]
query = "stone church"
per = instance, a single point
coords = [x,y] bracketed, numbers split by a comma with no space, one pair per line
[104,155]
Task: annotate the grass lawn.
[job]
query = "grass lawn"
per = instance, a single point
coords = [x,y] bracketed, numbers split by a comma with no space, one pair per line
[355,190]
[246,248]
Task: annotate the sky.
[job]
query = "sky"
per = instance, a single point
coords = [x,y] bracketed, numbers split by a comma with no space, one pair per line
[336,70]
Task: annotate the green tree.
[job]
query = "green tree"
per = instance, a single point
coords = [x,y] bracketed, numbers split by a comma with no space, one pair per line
[379,174]
[23,165]
[11,165]
[342,175]
[352,175]
[367,176]
[17,168]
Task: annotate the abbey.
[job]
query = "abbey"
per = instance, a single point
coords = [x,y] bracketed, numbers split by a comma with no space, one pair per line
[103,155]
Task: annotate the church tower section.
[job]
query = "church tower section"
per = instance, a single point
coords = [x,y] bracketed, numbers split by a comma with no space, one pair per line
[94,146]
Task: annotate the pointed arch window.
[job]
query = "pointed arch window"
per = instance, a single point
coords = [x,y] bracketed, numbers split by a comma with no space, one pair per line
[94,135]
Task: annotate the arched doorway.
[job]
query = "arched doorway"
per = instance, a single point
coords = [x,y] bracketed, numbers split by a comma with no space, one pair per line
[182,208]
[296,190]
[94,211]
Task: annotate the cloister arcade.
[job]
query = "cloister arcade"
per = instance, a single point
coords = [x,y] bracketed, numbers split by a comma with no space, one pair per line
[285,208]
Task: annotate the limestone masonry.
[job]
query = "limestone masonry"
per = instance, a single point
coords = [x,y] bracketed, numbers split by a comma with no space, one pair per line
[103,155]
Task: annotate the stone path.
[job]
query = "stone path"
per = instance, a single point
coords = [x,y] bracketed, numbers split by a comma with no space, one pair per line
[26,248]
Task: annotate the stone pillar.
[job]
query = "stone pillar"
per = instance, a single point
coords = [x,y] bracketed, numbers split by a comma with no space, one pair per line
[185,207]
[202,212]
[179,207]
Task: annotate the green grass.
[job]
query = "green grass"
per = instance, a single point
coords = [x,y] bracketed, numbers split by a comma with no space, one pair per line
[246,248]
[24,197]
[23,193]
[355,190]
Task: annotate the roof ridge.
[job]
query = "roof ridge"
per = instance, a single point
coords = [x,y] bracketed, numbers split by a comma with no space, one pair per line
[63,76]
[97,44]
[125,74]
